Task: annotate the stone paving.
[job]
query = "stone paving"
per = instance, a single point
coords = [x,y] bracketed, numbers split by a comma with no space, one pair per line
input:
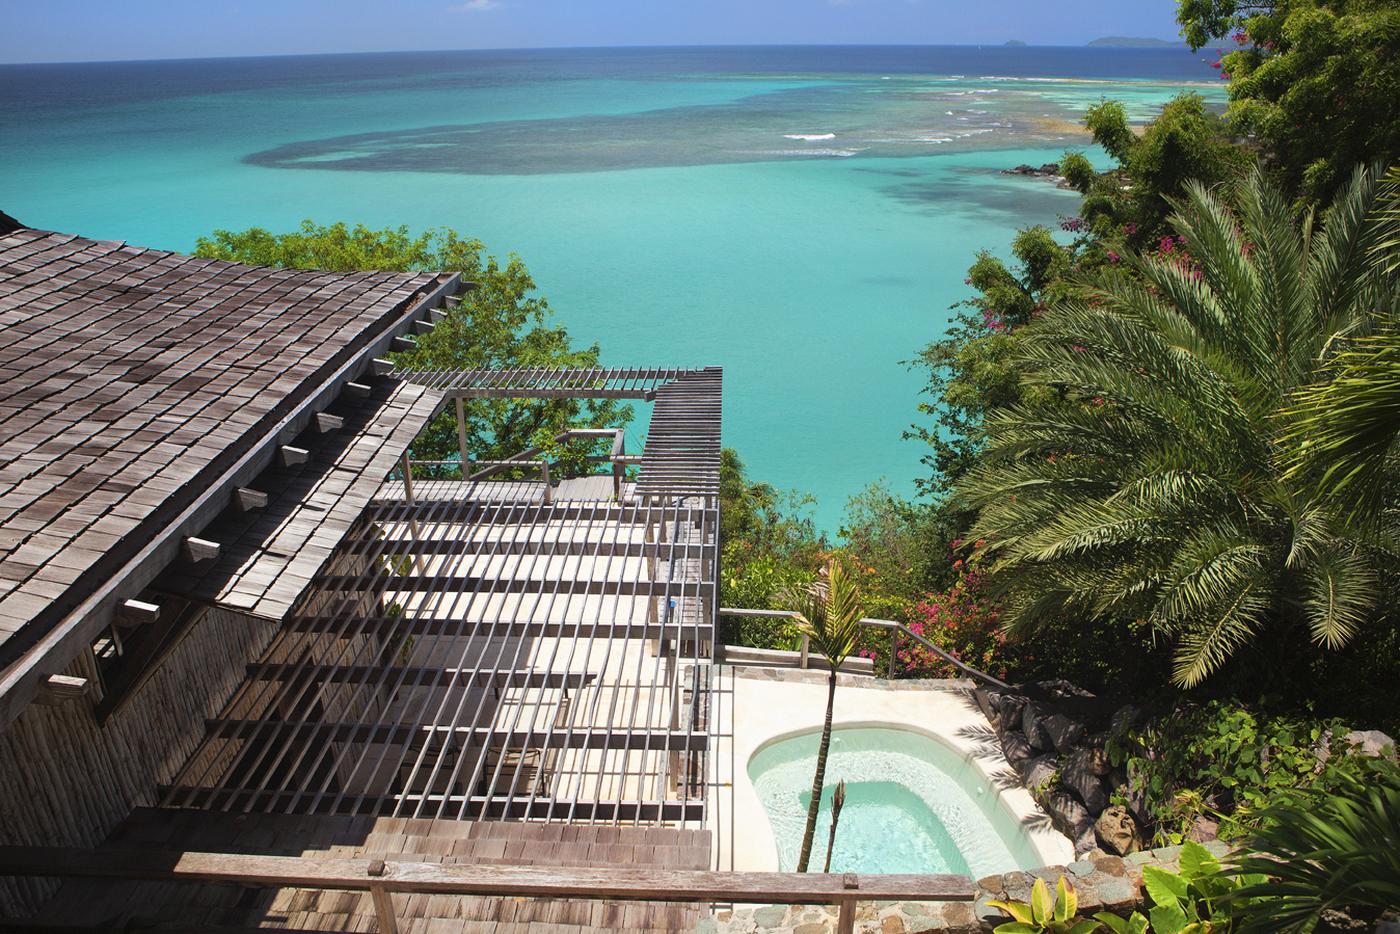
[1102,882]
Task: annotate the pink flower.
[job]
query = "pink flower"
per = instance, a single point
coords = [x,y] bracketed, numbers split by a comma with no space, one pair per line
[1113,257]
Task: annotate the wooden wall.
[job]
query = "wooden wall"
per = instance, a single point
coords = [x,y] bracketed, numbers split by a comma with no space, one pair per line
[65,780]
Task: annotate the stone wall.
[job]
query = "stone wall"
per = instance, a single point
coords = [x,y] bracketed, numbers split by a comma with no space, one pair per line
[1103,883]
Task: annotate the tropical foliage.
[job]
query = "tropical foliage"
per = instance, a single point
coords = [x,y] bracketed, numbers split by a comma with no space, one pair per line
[1226,763]
[1312,82]
[1344,429]
[1322,852]
[1145,485]
[501,322]
[828,613]
[1128,205]
[1045,913]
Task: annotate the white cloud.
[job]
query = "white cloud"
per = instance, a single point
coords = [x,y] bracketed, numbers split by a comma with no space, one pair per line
[475,6]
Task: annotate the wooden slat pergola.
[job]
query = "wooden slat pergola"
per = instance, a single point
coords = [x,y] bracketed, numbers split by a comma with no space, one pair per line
[483,651]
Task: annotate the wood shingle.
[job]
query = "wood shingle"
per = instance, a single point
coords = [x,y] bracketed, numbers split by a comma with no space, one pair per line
[130,378]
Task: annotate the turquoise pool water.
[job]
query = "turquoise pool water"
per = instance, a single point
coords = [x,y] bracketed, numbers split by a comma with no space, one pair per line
[912,805]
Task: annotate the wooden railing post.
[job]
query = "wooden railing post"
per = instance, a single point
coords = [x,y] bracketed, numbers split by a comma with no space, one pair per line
[846,920]
[462,435]
[806,647]
[383,901]
[846,917]
[894,651]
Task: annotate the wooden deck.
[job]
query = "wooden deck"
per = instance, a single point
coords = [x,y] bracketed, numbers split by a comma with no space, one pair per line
[105,905]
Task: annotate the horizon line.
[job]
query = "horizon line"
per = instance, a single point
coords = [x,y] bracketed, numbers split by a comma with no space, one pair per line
[589,48]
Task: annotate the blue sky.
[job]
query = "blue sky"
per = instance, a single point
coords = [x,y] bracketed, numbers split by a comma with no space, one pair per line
[96,30]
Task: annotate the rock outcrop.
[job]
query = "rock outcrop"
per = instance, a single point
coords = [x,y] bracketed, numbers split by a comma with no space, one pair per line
[1053,736]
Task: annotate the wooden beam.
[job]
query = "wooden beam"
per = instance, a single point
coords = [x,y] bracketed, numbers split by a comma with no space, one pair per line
[379,366]
[60,689]
[605,882]
[246,500]
[496,807]
[357,390]
[137,613]
[423,326]
[292,456]
[675,631]
[326,422]
[198,549]
[571,738]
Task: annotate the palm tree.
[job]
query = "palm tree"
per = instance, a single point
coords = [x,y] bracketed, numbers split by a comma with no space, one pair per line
[1346,431]
[829,614]
[1150,485]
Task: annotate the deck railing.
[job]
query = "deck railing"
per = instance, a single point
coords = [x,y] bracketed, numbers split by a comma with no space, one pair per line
[383,879]
[895,630]
[476,470]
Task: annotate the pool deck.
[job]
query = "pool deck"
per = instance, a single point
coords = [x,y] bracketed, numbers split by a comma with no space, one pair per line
[770,704]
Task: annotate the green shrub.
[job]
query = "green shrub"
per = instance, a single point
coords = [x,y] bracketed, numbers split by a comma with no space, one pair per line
[1318,851]
[1226,760]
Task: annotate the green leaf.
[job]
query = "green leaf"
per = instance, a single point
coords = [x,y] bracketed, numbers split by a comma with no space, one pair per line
[1018,910]
[1167,919]
[1017,927]
[1164,888]
[1086,926]
[1042,908]
[1197,861]
[1066,900]
[1116,924]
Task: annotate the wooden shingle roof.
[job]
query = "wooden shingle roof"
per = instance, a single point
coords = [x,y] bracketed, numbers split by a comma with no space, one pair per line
[130,379]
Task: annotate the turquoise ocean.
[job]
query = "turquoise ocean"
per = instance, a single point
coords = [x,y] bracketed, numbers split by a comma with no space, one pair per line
[801,216]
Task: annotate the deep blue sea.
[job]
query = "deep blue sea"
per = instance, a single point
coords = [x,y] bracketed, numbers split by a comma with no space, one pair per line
[802,216]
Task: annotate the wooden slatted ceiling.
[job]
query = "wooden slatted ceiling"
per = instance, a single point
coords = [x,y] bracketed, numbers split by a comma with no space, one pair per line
[552,663]
[129,379]
[547,382]
[682,452]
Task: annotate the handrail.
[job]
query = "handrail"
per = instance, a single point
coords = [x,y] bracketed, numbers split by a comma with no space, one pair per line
[382,879]
[527,457]
[895,629]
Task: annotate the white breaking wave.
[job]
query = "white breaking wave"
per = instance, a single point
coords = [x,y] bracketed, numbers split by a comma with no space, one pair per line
[838,153]
[809,136]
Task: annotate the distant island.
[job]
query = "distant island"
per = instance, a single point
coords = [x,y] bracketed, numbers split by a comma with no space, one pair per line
[1137,43]
[1015,43]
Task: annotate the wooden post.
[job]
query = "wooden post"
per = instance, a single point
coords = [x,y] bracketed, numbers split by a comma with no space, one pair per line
[383,901]
[462,434]
[406,468]
[894,649]
[806,646]
[846,920]
[544,475]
